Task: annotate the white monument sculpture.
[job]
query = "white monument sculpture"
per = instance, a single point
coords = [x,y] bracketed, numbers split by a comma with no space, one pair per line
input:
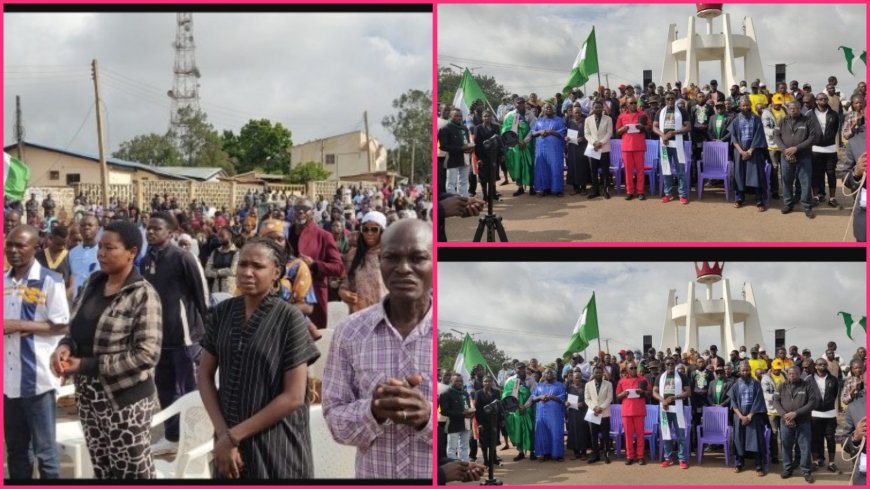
[724,47]
[723,313]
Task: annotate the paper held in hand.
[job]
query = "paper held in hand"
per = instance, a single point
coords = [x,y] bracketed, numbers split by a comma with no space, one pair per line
[632,129]
[591,417]
[573,401]
[591,153]
[573,135]
[632,394]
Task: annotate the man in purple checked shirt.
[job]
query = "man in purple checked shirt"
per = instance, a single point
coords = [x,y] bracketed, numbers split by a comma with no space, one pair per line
[377,383]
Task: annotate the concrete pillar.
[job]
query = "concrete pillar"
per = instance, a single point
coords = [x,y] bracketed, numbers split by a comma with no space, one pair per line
[691,323]
[669,329]
[728,55]
[691,56]
[728,320]
[752,326]
[669,65]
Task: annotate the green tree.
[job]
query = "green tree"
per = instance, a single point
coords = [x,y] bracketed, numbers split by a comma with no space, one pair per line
[448,82]
[449,345]
[260,144]
[310,171]
[148,149]
[200,144]
[411,126]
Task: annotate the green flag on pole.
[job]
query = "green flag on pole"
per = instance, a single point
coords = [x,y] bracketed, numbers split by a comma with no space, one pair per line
[468,92]
[850,323]
[585,64]
[16,176]
[585,330]
[850,56]
[469,357]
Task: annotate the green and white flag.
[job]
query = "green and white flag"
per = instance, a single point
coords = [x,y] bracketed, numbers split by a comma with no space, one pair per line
[585,330]
[850,323]
[585,64]
[16,176]
[850,56]
[469,356]
[467,93]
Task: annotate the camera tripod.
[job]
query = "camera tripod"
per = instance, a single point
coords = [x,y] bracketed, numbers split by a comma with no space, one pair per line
[490,222]
[493,442]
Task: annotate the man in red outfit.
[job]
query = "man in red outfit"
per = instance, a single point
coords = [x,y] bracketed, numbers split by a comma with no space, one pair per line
[317,248]
[631,391]
[632,126]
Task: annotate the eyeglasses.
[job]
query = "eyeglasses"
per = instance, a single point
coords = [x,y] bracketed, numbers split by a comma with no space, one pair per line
[370,230]
[632,368]
[632,103]
[301,208]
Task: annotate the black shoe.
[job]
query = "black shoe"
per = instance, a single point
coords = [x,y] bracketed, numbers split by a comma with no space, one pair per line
[593,195]
[532,456]
[629,197]
[521,191]
[641,197]
[532,192]
[786,474]
[540,194]
[833,468]
[833,202]
[641,461]
[606,458]
[593,459]
[810,214]
[629,461]
[775,196]
[560,194]
[606,196]
[809,478]
[787,209]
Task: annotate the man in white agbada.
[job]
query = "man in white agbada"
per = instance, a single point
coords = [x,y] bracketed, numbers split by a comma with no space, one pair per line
[670,124]
[671,388]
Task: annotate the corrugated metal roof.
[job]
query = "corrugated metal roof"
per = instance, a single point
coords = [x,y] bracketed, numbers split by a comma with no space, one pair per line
[197,172]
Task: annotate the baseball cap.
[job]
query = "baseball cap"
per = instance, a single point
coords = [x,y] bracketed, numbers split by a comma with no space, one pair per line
[776,364]
[622,351]
[777,99]
[762,350]
[753,350]
[720,103]
[720,368]
[762,85]
[622,85]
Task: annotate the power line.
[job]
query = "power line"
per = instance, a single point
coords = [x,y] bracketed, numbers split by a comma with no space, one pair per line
[72,140]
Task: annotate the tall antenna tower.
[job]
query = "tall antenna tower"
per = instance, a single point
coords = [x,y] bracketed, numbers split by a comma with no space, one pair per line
[185,88]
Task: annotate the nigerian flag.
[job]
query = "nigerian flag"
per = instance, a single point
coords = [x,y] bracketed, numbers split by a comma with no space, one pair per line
[850,56]
[16,175]
[585,329]
[467,93]
[469,356]
[850,323]
[585,64]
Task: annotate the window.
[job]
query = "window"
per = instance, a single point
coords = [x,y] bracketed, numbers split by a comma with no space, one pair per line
[54,175]
[330,159]
[72,178]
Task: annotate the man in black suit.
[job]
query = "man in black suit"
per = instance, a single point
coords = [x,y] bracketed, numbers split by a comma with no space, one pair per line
[486,175]
[482,398]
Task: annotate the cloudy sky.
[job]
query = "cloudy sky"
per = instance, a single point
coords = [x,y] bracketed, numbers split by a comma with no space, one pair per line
[314,73]
[529,309]
[532,47]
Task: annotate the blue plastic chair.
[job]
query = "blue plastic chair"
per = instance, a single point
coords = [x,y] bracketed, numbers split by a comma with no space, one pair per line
[715,429]
[651,427]
[651,164]
[617,431]
[714,165]
[616,163]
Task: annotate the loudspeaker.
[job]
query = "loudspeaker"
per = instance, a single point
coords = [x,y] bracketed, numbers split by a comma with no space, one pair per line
[647,343]
[780,73]
[647,78]
[779,341]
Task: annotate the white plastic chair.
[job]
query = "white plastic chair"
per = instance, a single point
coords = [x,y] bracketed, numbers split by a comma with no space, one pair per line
[195,441]
[331,460]
[71,441]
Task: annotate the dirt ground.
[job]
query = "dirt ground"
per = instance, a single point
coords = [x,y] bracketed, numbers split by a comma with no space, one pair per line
[576,219]
[712,471]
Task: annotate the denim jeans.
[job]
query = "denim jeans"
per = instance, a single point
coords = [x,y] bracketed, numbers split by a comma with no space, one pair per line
[803,433]
[682,449]
[29,428]
[457,445]
[457,180]
[802,168]
[683,188]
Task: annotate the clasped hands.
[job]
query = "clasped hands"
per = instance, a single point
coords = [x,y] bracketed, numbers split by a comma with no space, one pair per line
[402,402]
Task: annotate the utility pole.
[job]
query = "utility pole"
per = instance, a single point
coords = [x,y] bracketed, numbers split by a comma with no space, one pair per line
[607,345]
[607,79]
[322,161]
[413,154]
[104,169]
[368,141]
[19,128]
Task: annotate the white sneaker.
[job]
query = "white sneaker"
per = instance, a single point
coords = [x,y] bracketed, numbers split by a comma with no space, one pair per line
[164,447]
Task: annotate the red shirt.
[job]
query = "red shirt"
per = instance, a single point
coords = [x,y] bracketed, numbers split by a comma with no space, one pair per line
[632,407]
[632,142]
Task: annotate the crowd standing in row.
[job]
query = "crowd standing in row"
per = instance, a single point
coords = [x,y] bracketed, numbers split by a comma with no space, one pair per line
[795,398]
[567,142]
[139,311]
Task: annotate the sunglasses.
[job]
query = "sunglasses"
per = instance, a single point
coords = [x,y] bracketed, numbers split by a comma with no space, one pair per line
[632,103]
[632,368]
[370,230]
[302,208]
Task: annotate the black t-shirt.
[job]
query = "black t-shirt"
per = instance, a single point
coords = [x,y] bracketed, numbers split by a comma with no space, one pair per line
[671,119]
[84,324]
[63,268]
[669,386]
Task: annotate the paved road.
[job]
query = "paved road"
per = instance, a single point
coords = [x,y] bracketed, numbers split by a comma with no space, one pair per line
[712,471]
[576,219]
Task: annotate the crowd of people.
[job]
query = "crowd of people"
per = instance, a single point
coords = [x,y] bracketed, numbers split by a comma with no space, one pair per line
[138,308]
[565,143]
[796,400]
